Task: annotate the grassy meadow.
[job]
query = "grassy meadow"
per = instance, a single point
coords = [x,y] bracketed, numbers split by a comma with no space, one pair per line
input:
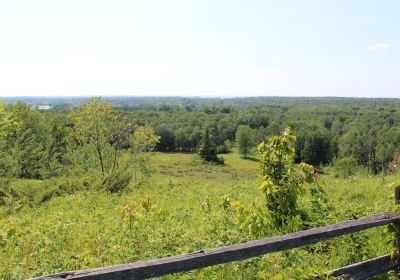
[186,206]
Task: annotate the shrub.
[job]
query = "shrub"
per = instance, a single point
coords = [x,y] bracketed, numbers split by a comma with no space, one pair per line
[5,191]
[345,167]
[226,148]
[115,182]
[281,179]
[62,186]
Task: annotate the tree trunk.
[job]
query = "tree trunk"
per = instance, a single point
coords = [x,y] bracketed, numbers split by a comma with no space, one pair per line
[98,148]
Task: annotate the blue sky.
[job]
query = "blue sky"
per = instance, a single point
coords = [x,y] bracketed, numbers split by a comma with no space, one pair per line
[200,48]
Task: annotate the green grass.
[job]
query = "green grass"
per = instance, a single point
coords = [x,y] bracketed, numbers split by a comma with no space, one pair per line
[181,210]
[182,167]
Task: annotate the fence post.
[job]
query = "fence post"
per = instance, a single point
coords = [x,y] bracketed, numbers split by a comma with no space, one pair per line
[396,226]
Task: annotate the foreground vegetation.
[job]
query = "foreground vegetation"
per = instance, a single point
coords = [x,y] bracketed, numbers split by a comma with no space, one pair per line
[186,206]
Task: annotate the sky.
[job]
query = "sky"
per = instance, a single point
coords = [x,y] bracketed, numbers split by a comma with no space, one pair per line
[200,48]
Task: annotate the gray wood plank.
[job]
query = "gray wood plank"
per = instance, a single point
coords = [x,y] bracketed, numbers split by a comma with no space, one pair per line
[365,269]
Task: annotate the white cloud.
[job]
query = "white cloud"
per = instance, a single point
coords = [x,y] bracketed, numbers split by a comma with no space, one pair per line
[378,47]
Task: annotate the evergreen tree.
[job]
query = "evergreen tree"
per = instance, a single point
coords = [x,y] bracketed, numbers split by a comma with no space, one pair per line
[207,149]
[316,148]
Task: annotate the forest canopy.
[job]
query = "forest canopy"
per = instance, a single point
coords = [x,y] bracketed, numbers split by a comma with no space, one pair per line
[80,134]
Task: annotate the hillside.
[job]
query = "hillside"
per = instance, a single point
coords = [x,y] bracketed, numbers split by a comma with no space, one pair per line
[181,209]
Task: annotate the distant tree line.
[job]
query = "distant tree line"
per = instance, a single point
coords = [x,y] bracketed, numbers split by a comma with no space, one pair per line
[369,135]
[40,144]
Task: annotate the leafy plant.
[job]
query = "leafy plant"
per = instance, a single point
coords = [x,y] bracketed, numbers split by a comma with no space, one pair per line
[130,215]
[280,179]
[253,220]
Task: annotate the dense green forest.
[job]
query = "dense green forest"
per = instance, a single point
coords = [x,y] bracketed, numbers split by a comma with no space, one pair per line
[363,131]
[83,183]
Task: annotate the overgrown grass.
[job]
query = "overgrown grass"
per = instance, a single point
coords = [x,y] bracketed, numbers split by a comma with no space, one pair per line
[182,209]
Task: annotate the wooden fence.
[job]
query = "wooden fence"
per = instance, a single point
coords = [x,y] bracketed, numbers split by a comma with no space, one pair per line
[237,252]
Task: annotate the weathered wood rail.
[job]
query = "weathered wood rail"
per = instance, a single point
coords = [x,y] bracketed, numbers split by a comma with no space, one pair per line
[365,269]
[237,252]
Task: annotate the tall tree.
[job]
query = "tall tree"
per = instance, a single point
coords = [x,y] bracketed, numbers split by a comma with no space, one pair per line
[167,138]
[316,148]
[29,142]
[94,124]
[207,149]
[245,139]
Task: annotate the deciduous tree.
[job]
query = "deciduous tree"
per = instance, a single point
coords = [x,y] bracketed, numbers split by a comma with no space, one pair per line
[245,139]
[94,124]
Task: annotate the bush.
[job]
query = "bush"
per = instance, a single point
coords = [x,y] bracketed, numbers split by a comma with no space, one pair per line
[345,167]
[226,148]
[62,186]
[116,181]
[5,191]
[16,194]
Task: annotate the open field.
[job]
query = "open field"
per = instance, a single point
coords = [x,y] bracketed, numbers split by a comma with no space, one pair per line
[183,209]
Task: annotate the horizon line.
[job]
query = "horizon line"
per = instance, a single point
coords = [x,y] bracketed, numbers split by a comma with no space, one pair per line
[193,96]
